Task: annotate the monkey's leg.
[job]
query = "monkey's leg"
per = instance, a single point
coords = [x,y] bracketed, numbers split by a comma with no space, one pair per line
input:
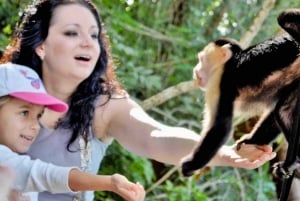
[265,131]
[285,113]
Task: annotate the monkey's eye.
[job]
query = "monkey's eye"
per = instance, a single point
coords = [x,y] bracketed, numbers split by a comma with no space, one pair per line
[201,57]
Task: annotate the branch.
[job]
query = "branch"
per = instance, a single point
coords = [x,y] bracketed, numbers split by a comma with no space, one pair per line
[257,23]
[164,178]
[168,93]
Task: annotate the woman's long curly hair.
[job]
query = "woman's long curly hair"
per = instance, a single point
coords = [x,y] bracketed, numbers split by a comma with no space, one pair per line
[32,30]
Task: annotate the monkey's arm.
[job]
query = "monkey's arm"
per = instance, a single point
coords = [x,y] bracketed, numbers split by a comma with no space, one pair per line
[213,139]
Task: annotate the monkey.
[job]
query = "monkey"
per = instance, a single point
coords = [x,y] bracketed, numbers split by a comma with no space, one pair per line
[262,80]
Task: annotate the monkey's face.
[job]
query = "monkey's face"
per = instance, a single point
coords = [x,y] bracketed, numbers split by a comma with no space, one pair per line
[201,71]
[210,60]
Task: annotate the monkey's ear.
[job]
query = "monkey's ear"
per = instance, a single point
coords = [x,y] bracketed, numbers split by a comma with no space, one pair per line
[226,52]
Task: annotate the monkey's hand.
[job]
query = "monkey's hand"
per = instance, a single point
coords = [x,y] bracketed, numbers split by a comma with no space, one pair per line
[188,166]
[245,139]
[186,169]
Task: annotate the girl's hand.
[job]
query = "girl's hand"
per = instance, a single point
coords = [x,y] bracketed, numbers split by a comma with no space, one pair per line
[18,196]
[126,189]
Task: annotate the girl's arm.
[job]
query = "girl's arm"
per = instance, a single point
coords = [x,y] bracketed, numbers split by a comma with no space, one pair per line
[35,175]
[38,176]
[115,183]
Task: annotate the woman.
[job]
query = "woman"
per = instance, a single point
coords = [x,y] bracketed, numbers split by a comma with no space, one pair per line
[71,54]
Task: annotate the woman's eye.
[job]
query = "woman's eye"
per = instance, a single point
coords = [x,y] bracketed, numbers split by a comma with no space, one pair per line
[71,33]
[94,36]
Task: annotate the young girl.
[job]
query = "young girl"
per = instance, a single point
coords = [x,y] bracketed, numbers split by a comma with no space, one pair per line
[22,102]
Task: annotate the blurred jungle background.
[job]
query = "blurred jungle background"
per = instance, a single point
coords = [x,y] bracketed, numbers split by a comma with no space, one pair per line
[154,44]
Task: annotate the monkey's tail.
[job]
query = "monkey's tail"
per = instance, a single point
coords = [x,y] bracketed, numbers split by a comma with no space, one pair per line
[289,20]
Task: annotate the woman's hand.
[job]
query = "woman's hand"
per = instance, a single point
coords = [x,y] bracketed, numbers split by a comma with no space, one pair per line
[249,156]
[126,189]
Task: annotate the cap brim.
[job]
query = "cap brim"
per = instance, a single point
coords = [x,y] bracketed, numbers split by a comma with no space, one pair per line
[42,99]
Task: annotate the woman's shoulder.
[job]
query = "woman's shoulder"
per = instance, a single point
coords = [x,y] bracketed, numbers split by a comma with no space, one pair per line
[106,99]
[112,111]
[115,103]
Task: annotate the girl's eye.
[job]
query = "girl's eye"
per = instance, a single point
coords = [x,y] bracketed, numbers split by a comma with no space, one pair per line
[24,113]
[39,115]
[71,33]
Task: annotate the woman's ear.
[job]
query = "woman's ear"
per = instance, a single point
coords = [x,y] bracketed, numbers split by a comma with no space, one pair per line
[40,51]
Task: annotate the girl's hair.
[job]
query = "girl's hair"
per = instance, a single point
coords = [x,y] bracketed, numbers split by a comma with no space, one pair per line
[4,99]
[32,31]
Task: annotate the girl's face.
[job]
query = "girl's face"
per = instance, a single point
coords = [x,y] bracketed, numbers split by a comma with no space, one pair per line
[71,48]
[19,124]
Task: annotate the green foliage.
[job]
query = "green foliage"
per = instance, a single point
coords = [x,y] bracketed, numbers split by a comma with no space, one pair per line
[240,185]
[135,168]
[9,15]
[172,191]
[132,166]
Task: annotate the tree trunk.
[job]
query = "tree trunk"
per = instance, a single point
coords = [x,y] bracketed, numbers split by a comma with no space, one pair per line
[215,20]
[257,23]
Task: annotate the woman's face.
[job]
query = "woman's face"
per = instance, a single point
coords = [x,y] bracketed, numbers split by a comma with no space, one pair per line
[71,48]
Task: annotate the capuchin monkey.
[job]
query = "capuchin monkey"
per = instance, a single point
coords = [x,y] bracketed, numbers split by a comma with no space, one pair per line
[260,80]
[7,178]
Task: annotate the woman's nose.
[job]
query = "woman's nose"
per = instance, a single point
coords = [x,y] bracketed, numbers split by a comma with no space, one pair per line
[86,40]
